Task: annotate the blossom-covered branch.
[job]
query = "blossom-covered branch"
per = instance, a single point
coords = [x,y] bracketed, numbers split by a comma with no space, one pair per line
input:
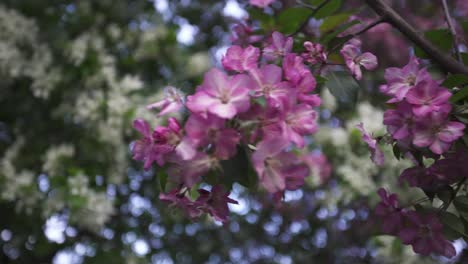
[391,16]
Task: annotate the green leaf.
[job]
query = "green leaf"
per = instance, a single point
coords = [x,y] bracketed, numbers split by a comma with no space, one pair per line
[396,152]
[328,9]
[343,87]
[334,21]
[442,38]
[445,194]
[461,203]
[333,40]
[162,178]
[290,19]
[453,226]
[464,56]
[320,80]
[237,169]
[460,109]
[464,25]
[460,95]
[456,80]
[266,21]
[76,201]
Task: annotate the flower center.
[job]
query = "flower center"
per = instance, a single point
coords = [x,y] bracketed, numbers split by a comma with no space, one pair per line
[425,231]
[411,80]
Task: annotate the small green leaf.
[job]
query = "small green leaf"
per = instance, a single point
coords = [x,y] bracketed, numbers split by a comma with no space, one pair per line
[162,178]
[453,226]
[442,38]
[464,25]
[460,95]
[456,80]
[343,87]
[445,194]
[266,21]
[320,80]
[464,56]
[461,203]
[396,152]
[328,9]
[333,22]
[290,19]
[331,40]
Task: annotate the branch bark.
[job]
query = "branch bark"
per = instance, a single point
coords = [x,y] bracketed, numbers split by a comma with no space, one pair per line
[447,63]
[452,29]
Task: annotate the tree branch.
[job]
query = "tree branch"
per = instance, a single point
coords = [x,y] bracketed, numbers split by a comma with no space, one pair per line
[446,62]
[368,27]
[452,29]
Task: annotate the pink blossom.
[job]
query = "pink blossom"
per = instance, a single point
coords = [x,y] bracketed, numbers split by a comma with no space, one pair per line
[143,148]
[399,121]
[400,81]
[315,53]
[172,102]
[261,3]
[389,211]
[301,79]
[239,59]
[277,169]
[160,144]
[280,46]
[269,84]
[176,198]
[377,155]
[300,120]
[156,145]
[424,233]
[242,35]
[294,68]
[437,132]
[419,176]
[306,85]
[293,122]
[189,172]
[450,169]
[354,59]
[441,173]
[215,202]
[211,131]
[427,96]
[318,165]
[221,95]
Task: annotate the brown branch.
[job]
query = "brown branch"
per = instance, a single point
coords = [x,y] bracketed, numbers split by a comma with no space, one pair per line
[446,62]
[452,29]
[368,27]
[353,35]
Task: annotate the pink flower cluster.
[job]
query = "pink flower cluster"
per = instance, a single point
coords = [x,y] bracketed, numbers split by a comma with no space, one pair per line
[441,173]
[421,115]
[420,124]
[421,230]
[354,58]
[213,202]
[256,107]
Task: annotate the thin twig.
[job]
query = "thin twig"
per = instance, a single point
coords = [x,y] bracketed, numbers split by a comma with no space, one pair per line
[365,29]
[446,62]
[452,29]
[314,12]
[454,194]
[368,27]
[299,2]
